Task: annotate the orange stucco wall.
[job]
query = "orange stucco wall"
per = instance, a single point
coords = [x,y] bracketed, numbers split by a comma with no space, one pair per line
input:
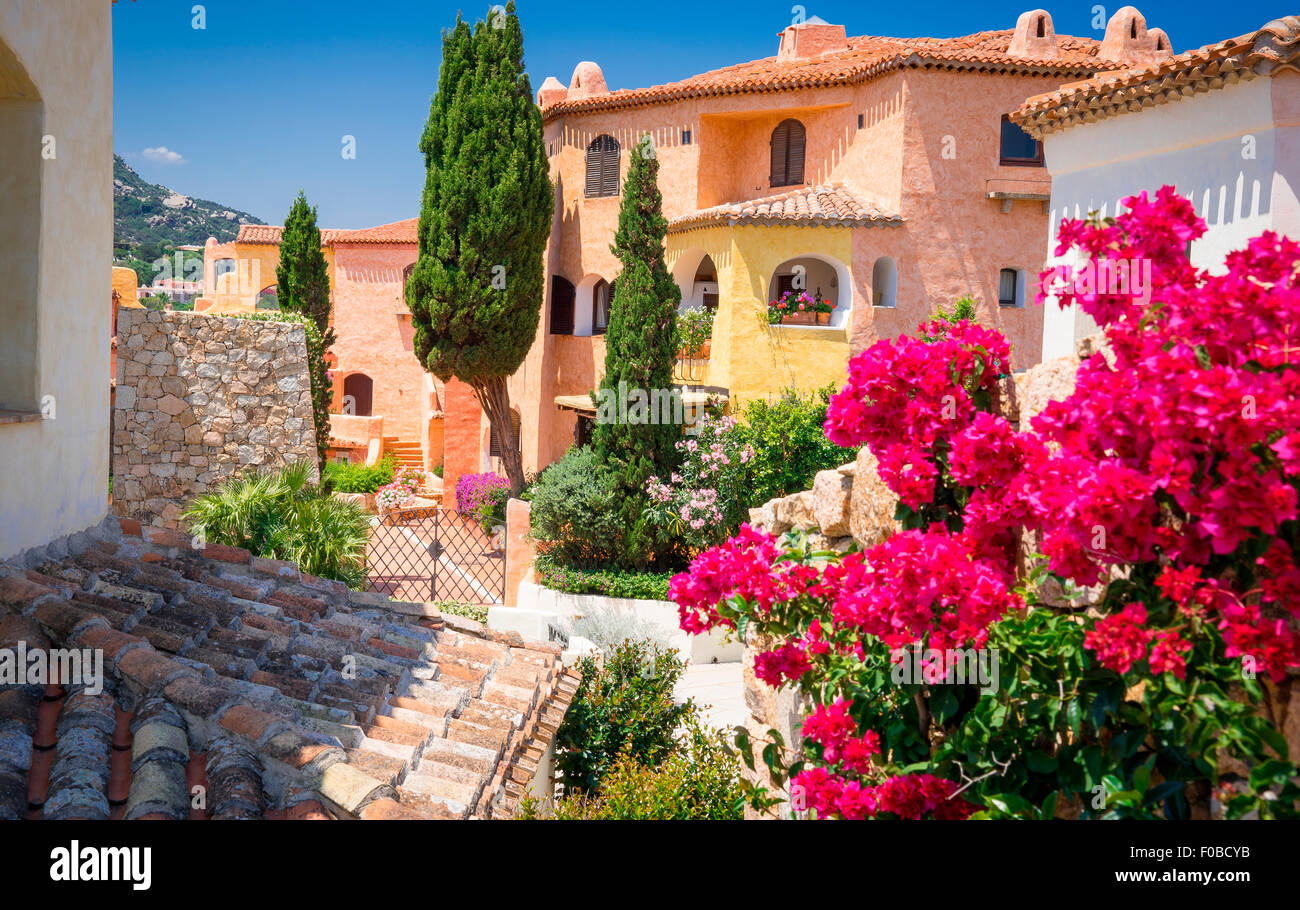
[463,437]
[374,332]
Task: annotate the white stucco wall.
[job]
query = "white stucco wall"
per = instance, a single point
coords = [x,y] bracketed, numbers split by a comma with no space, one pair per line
[1199,145]
[54,477]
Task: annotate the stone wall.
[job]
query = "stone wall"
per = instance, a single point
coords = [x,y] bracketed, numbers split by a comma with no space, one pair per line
[198,399]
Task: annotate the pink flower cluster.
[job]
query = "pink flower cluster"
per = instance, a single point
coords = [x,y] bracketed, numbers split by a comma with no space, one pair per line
[907,796]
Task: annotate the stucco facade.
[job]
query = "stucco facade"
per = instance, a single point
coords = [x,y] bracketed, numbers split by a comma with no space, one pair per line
[1228,139]
[56,230]
[902,202]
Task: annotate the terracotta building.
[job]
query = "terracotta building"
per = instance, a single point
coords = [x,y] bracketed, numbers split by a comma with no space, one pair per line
[384,401]
[882,173]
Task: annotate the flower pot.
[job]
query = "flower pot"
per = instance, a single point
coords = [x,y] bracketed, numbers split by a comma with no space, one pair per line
[823,318]
[799,318]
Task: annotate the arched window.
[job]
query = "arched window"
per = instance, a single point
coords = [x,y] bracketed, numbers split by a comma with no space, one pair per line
[219,268]
[787,153]
[602,295]
[602,166]
[563,296]
[268,299]
[1011,288]
[358,394]
[884,282]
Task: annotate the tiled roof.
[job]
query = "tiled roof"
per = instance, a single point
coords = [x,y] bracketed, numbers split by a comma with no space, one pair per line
[282,694]
[397,232]
[1270,50]
[833,205]
[867,56]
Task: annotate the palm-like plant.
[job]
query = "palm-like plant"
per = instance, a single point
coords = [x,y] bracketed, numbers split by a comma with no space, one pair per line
[280,514]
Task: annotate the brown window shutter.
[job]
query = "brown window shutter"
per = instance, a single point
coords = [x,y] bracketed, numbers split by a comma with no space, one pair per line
[563,295]
[494,442]
[780,149]
[795,155]
[594,160]
[609,169]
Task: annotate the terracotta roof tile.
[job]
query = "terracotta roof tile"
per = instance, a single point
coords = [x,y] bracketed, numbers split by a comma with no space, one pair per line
[1273,49]
[832,205]
[396,232]
[229,674]
[867,56]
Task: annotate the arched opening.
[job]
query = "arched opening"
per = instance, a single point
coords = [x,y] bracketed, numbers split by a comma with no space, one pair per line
[788,141]
[219,268]
[21,118]
[358,394]
[884,283]
[819,283]
[268,298]
[602,166]
[593,299]
[697,277]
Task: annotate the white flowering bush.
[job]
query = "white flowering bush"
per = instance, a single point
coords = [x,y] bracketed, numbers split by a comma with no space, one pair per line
[702,503]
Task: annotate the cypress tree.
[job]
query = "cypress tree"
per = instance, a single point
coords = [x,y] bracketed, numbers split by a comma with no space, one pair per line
[640,349]
[303,287]
[302,279]
[475,294]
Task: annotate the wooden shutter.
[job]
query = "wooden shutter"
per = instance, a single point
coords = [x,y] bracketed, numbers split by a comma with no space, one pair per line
[602,166]
[609,168]
[562,301]
[787,153]
[494,443]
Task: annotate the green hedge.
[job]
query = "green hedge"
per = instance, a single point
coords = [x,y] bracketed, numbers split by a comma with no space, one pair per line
[607,582]
[355,477]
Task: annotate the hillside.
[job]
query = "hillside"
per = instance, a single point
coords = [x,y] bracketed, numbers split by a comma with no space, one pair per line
[154,217]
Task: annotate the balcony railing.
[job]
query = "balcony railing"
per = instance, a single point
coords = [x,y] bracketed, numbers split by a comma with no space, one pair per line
[691,370]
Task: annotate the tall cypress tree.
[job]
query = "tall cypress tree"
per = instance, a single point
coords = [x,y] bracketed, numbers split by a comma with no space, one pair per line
[303,287]
[476,292]
[640,349]
[302,279]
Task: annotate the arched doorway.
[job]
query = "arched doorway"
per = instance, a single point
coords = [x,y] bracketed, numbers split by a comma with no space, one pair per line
[358,394]
[268,298]
[822,278]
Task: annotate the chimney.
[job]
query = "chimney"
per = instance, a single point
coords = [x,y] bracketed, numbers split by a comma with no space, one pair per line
[1035,38]
[587,81]
[811,38]
[551,92]
[1129,42]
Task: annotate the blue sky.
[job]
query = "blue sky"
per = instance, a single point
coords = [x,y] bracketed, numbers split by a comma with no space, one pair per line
[254,106]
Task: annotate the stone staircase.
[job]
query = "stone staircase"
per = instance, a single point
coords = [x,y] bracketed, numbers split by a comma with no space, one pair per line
[406,454]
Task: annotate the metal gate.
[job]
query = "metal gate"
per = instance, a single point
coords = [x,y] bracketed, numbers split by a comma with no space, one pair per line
[436,554]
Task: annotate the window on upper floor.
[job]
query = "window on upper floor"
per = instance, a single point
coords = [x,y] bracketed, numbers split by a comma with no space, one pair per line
[601,298]
[788,153]
[1018,147]
[602,166]
[563,295]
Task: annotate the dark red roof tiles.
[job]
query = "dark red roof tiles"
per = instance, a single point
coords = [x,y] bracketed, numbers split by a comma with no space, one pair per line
[250,681]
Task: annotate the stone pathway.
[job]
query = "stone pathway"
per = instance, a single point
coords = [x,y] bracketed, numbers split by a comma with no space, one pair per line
[718,689]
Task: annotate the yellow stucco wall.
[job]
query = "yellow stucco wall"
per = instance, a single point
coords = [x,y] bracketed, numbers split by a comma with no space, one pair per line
[125,282]
[255,263]
[750,357]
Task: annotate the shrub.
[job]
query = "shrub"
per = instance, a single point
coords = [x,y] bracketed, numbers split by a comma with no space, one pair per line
[1163,491]
[694,328]
[355,477]
[573,516]
[278,514]
[609,582]
[476,612]
[704,501]
[699,780]
[622,708]
[789,444]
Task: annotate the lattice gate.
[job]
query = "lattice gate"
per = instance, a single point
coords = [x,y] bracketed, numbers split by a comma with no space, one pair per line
[436,554]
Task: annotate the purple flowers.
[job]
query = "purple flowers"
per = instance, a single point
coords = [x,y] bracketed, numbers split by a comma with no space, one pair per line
[474,490]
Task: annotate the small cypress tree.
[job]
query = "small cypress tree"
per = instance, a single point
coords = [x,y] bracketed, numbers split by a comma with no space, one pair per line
[475,294]
[640,349]
[302,278]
